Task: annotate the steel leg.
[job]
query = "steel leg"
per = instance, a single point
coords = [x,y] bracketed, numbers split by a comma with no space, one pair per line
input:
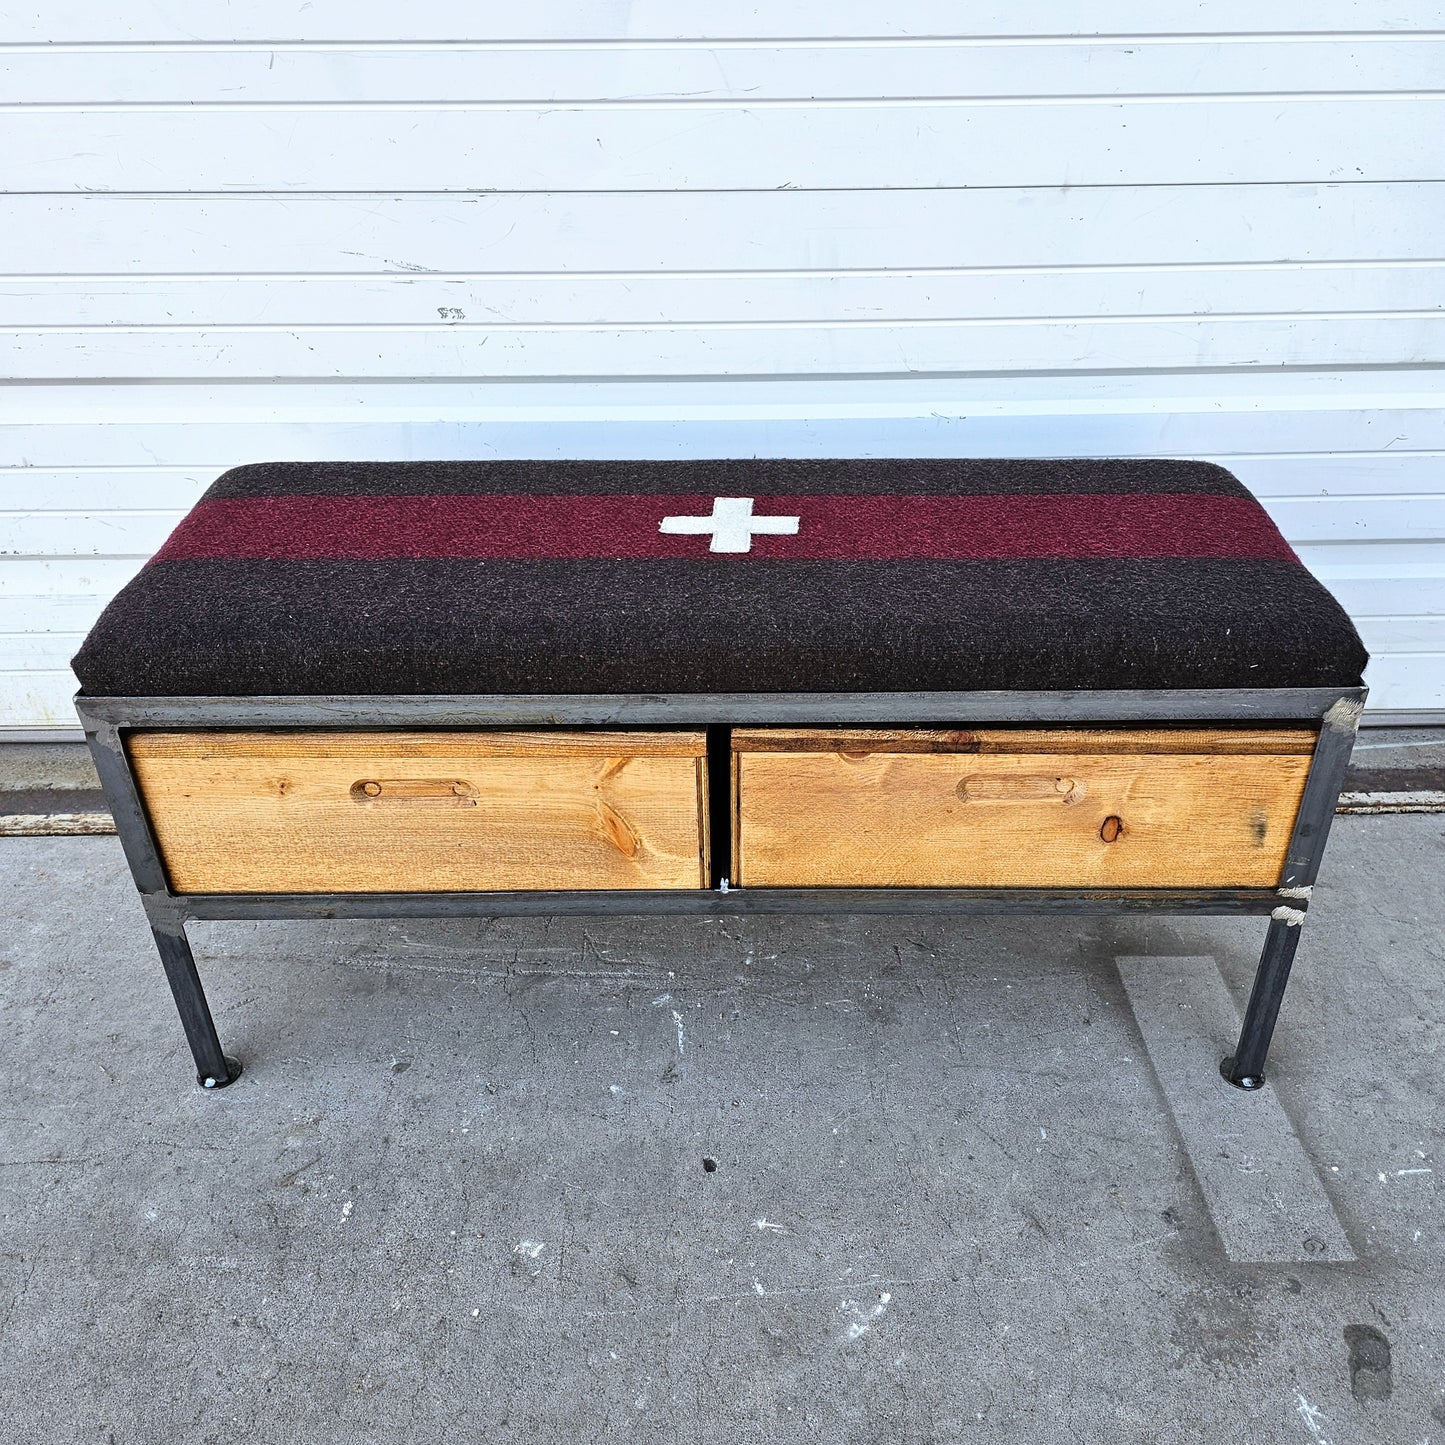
[1244,1068]
[214,1070]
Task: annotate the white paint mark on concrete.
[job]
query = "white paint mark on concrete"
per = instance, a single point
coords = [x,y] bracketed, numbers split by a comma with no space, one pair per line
[761,1224]
[864,1320]
[1404,1173]
[758,1285]
[661,999]
[1395,747]
[1312,1417]
[681,1033]
[530,1247]
[1416,800]
[55,825]
[616,1090]
[346,1210]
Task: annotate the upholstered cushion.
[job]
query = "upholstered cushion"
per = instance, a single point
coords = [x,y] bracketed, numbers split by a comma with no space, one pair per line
[706,576]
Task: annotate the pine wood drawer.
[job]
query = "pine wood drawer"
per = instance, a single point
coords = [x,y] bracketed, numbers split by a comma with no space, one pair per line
[387,812]
[1016,808]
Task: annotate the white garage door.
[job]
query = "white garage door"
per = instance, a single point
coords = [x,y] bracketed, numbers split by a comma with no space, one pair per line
[351,229]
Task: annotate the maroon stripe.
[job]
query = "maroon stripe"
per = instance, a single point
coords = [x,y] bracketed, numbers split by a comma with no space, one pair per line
[884,528]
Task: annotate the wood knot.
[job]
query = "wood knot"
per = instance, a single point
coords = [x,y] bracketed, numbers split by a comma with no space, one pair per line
[960,740]
[1112,828]
[618,831]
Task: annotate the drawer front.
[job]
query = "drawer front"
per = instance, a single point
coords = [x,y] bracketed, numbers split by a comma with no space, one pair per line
[392,812]
[1016,808]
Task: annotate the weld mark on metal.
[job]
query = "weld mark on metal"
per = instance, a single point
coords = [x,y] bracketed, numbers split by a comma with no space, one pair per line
[1344,716]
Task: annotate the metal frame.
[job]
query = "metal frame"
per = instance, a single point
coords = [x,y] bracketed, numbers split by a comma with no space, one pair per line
[1335,710]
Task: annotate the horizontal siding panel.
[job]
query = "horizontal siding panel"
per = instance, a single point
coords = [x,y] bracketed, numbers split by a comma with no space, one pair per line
[417,300]
[71,614]
[69,426]
[1407,682]
[103,489]
[307,234]
[39,651]
[108,533]
[61,580]
[1357,559]
[1390,636]
[1419,591]
[1343,474]
[38,701]
[1354,519]
[805,229]
[464,349]
[169,21]
[811,146]
[233,75]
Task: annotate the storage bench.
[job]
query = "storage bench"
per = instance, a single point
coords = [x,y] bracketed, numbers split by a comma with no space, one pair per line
[412,689]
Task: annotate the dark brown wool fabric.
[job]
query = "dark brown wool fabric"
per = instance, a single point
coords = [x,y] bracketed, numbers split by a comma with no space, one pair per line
[489,577]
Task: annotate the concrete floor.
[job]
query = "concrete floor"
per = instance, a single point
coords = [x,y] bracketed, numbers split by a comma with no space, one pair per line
[972,1181]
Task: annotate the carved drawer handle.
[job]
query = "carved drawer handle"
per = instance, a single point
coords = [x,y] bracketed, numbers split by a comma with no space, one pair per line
[423,792]
[1035,789]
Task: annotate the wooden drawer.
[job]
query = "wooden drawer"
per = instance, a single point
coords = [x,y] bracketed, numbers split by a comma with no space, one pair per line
[396,812]
[1016,808]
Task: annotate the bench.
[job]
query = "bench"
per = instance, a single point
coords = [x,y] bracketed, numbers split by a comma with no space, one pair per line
[722,687]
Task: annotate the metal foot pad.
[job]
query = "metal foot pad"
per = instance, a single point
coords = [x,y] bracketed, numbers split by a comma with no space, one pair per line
[221,1081]
[1248,1082]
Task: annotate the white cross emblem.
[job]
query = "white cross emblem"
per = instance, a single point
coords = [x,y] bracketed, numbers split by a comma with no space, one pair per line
[731,524]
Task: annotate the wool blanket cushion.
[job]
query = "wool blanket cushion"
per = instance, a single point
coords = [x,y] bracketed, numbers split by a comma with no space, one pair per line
[720,576]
